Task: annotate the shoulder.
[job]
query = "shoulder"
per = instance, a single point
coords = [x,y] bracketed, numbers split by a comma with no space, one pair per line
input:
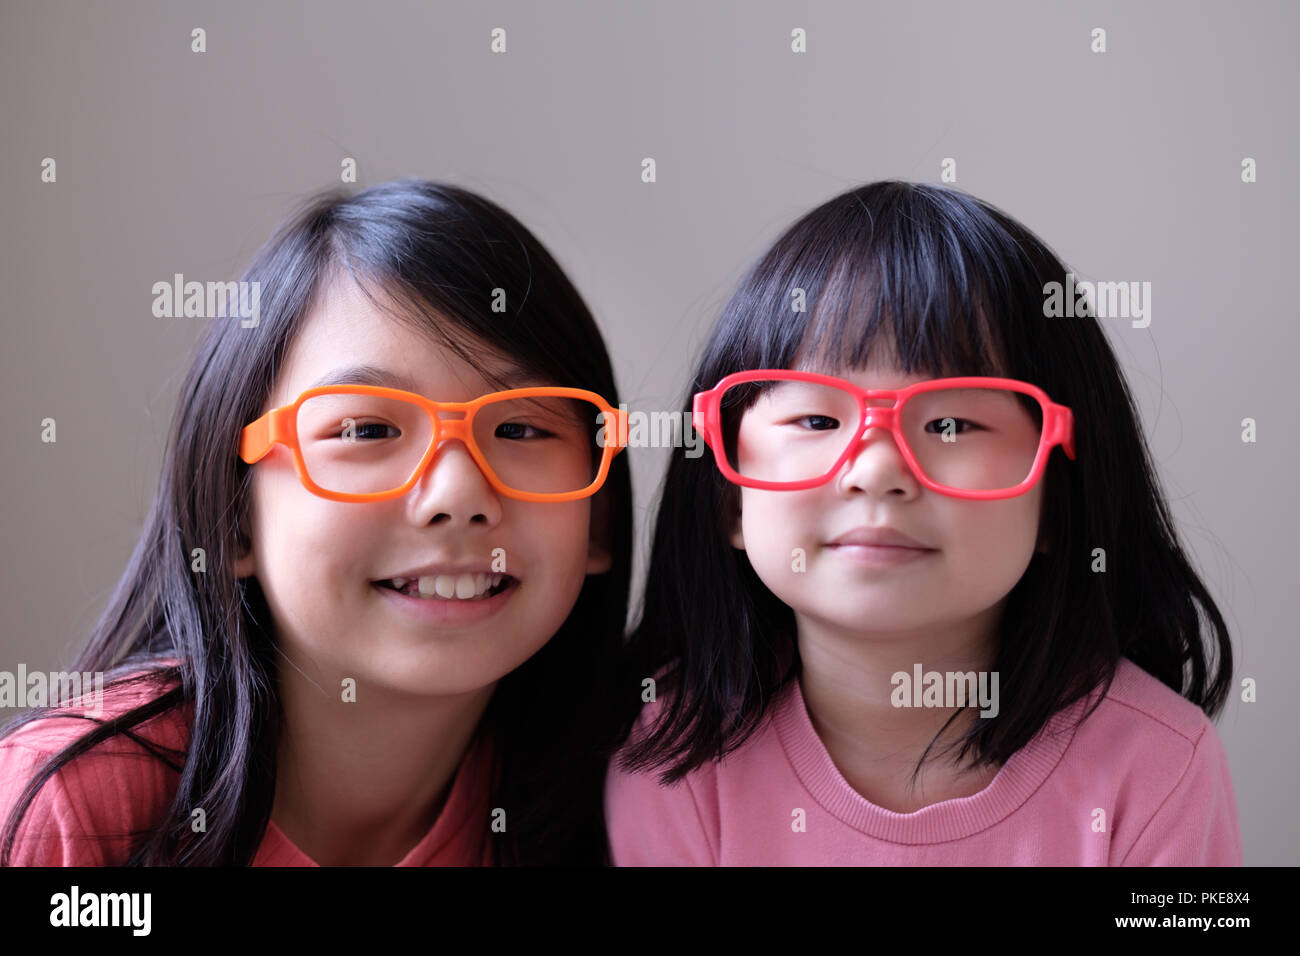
[89,810]
[1144,723]
[652,823]
[649,823]
[1161,758]
[1153,704]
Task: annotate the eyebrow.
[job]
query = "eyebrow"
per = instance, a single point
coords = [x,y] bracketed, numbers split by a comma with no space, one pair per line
[380,377]
[365,375]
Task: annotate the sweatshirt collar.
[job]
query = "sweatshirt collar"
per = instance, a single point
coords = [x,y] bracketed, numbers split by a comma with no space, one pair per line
[1017,779]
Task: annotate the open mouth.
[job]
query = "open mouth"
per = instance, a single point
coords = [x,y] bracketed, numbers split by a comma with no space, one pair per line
[451,587]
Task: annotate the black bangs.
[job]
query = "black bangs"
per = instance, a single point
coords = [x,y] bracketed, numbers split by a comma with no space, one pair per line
[469,276]
[934,271]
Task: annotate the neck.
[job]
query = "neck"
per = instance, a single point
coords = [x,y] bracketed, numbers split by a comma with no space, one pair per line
[363,782]
[848,687]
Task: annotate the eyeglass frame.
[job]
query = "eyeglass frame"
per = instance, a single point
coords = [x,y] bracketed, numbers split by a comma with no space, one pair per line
[280,426]
[1057,427]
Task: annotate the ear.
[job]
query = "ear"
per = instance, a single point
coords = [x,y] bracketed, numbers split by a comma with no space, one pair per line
[1044,543]
[600,557]
[737,535]
[246,563]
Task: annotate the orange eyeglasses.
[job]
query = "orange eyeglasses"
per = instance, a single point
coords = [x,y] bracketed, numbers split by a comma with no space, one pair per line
[367,443]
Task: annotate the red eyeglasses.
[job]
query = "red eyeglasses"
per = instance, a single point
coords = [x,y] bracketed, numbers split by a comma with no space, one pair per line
[976,438]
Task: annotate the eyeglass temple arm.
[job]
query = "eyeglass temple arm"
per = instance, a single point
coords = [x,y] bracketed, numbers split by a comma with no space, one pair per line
[1063,429]
[700,414]
[257,437]
[621,424]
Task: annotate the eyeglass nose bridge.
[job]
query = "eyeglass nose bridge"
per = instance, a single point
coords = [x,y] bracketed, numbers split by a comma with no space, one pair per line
[876,416]
[886,417]
[445,428]
[453,428]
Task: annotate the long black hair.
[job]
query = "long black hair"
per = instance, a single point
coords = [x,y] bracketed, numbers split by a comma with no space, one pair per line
[958,288]
[441,251]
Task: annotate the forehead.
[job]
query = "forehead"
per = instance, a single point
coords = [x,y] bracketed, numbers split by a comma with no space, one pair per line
[882,369]
[347,338]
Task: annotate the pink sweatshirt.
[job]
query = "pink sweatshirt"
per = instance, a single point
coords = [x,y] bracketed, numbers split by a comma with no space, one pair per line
[82,813]
[1142,782]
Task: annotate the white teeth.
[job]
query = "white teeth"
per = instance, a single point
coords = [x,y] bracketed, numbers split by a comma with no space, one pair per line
[460,587]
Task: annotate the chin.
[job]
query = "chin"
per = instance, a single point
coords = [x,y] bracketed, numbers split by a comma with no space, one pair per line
[454,683]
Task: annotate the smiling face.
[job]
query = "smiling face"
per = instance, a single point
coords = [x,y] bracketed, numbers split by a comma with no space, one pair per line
[318,560]
[978,550]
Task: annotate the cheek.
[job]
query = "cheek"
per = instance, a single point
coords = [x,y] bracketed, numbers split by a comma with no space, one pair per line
[311,552]
[992,542]
[777,528]
[553,541]
[550,544]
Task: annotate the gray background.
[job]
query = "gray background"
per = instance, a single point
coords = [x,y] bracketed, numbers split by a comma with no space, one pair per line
[1127,163]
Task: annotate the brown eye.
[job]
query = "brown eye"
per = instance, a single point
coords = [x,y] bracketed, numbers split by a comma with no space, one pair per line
[369,431]
[516,431]
[820,423]
[970,425]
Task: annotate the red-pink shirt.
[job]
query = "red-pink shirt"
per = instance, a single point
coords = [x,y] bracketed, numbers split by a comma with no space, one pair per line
[84,814]
[1143,781]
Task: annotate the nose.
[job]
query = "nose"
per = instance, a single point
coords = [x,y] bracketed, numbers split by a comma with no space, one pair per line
[453,490]
[876,466]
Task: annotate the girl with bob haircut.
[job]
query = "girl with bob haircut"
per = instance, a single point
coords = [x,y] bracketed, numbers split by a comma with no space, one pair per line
[415,580]
[891,621]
